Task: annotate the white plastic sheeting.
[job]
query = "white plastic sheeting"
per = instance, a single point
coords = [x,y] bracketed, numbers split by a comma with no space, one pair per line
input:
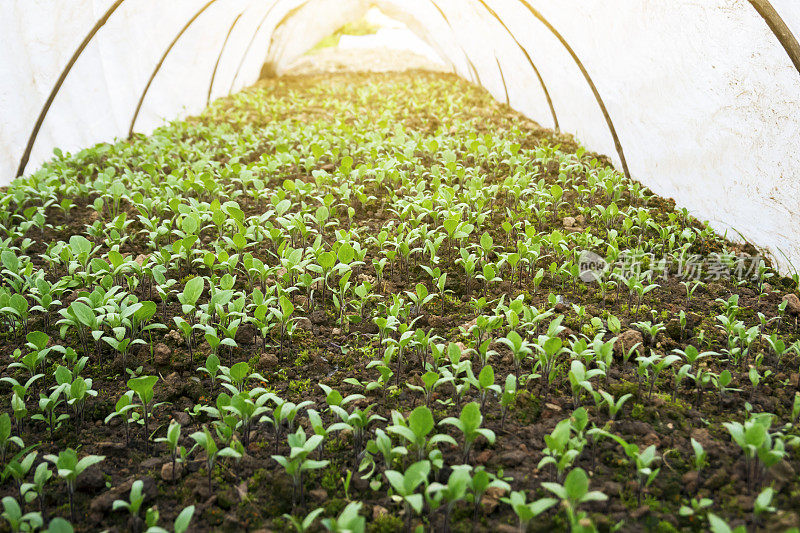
[701,95]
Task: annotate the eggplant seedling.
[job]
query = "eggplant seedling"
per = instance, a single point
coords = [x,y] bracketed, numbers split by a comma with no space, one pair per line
[448,495]
[348,521]
[525,510]
[574,492]
[143,387]
[68,468]
[205,441]
[135,500]
[16,519]
[303,524]
[172,440]
[405,486]
[469,424]
[415,431]
[297,462]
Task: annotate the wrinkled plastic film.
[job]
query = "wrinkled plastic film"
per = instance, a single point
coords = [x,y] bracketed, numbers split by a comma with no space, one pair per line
[699,99]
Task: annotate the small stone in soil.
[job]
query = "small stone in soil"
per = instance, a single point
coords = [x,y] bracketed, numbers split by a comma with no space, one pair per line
[793,304]
[182,418]
[513,457]
[268,360]
[162,354]
[246,334]
[319,494]
[166,471]
[626,341]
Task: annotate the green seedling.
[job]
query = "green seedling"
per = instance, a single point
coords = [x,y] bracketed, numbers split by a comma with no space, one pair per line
[205,441]
[136,499]
[415,431]
[574,492]
[527,511]
[143,388]
[297,461]
[469,424]
[172,440]
[69,467]
[405,486]
[348,521]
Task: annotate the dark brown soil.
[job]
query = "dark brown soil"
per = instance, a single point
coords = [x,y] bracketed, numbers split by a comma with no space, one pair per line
[253,493]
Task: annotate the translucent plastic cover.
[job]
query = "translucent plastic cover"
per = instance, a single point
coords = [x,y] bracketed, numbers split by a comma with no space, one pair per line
[696,99]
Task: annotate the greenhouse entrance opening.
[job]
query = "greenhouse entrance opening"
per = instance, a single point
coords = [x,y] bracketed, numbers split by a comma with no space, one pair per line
[374,43]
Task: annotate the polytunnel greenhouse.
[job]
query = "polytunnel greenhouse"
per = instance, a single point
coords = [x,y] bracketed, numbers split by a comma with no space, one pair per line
[400,265]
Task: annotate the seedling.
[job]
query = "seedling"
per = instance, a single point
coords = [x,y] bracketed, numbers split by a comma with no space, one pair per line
[135,501]
[405,485]
[527,511]
[211,367]
[17,521]
[416,429]
[143,387]
[614,405]
[762,450]
[298,462]
[651,367]
[562,449]
[176,451]
[48,405]
[508,397]
[449,495]
[188,298]
[574,492]
[348,521]
[700,459]
[696,507]
[180,525]
[763,503]
[579,379]
[205,441]
[69,467]
[484,383]
[549,349]
[430,382]
[519,347]
[469,424]
[123,408]
[691,286]
[284,412]
[303,524]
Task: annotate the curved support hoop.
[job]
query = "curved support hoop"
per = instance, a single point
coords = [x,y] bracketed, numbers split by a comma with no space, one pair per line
[780,29]
[250,44]
[474,70]
[503,78]
[161,62]
[466,57]
[286,18]
[54,91]
[589,81]
[219,57]
[530,62]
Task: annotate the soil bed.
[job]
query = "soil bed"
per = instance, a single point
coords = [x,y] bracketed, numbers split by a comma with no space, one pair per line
[392,159]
